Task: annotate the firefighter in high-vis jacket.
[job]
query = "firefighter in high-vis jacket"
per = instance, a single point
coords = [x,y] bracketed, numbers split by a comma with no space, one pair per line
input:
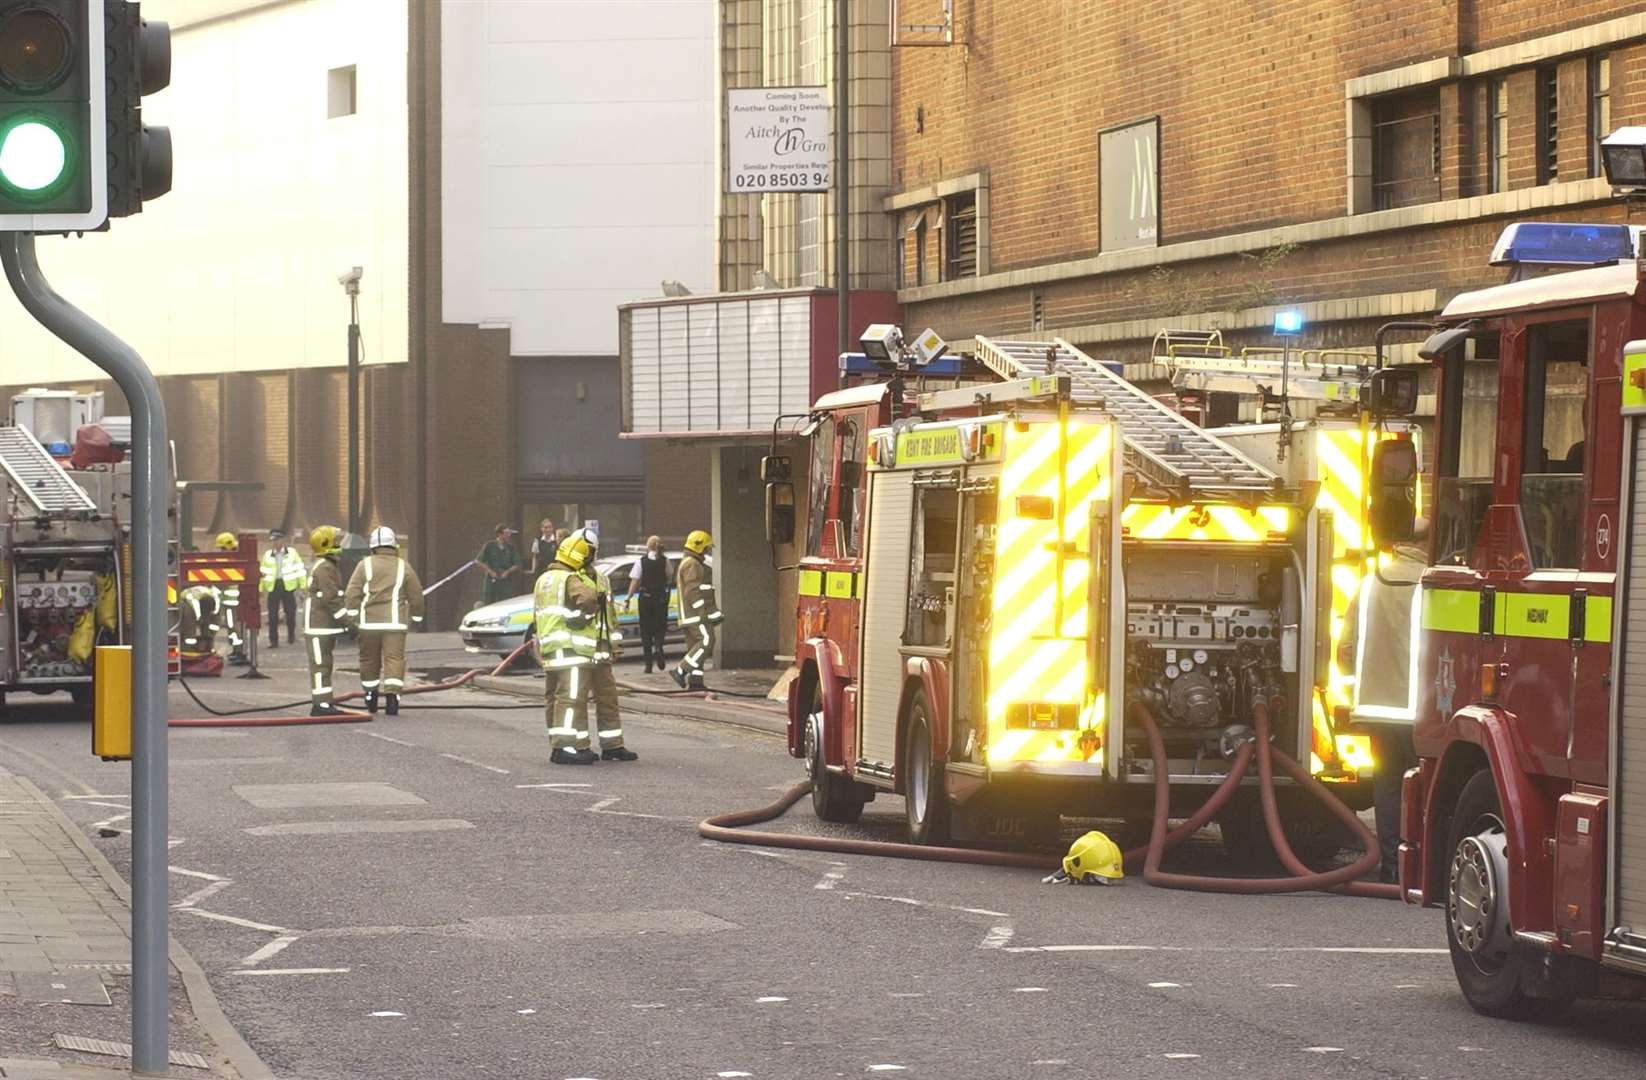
[228,604]
[323,616]
[384,600]
[577,637]
[699,611]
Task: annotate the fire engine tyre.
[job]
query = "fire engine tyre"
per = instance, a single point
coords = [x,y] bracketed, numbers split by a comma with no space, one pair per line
[925,797]
[834,798]
[1492,967]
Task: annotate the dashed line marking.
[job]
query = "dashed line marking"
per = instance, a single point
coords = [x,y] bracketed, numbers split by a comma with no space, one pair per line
[1180,1057]
[552,787]
[996,938]
[476,764]
[1030,990]
[236,921]
[1165,986]
[1323,1049]
[201,874]
[769,1000]
[388,738]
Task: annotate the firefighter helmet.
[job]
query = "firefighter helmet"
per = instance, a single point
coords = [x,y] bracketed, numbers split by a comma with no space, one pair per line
[698,541]
[1094,859]
[325,540]
[577,550]
[227,541]
[382,537]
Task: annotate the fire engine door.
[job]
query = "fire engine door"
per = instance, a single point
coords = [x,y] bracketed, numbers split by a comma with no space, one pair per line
[971,629]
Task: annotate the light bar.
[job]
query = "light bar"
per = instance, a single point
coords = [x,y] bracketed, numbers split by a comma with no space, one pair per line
[1288,322]
[1552,243]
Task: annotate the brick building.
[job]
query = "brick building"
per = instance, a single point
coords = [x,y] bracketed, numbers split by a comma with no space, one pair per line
[1098,172]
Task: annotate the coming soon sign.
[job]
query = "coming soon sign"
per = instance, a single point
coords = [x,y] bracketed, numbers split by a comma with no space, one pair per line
[777,139]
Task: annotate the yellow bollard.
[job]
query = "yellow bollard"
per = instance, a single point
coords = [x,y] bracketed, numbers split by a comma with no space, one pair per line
[111,712]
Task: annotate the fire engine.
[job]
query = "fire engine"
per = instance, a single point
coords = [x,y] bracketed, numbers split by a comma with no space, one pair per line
[1526,817]
[992,575]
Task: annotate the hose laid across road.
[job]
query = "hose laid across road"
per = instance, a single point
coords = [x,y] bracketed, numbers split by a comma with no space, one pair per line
[733,828]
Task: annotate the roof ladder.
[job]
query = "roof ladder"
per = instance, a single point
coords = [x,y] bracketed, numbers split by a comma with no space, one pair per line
[36,476]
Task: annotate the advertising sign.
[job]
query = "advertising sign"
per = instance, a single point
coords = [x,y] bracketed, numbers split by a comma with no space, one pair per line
[1129,196]
[778,139]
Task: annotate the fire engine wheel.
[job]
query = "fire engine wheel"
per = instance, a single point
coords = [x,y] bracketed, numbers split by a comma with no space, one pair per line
[925,797]
[834,798]
[1492,968]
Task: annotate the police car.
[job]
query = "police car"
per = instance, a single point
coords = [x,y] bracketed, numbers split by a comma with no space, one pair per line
[503,626]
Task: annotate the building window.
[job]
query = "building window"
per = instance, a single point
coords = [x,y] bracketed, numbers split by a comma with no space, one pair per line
[920,249]
[960,236]
[900,269]
[1497,135]
[1406,149]
[1128,201]
[1600,108]
[1548,125]
[340,92]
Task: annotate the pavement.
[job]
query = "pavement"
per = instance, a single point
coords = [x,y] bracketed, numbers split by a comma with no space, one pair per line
[427,897]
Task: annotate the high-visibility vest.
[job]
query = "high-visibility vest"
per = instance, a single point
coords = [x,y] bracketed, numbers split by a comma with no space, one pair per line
[287,567]
[565,631]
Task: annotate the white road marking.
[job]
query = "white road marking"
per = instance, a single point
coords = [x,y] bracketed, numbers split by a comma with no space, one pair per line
[272,948]
[1165,986]
[1473,1049]
[733,1072]
[1030,990]
[108,823]
[1049,1061]
[996,938]
[763,853]
[552,787]
[832,877]
[294,971]
[94,795]
[887,1068]
[388,1012]
[1180,1057]
[600,808]
[1323,1049]
[201,874]
[198,895]
[1406,986]
[1338,949]
[914,994]
[1281,986]
[525,1012]
[232,920]
[651,1005]
[476,764]
[984,911]
[387,738]
[769,1000]
[111,805]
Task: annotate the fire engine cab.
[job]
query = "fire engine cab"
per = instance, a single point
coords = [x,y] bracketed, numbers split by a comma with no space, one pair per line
[1526,817]
[991,576]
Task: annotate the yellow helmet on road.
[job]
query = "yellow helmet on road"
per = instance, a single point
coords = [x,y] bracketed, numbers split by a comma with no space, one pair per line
[698,541]
[1094,859]
[577,550]
[325,540]
[227,541]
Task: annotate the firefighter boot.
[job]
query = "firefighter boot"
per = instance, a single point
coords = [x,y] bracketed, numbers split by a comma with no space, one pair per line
[325,708]
[393,708]
[371,702]
[619,753]
[562,756]
[679,677]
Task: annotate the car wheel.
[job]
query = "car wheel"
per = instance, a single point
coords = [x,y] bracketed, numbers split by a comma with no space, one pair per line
[925,798]
[1492,968]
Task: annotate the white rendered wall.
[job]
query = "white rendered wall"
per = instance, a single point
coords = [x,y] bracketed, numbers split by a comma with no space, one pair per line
[578,151]
[236,269]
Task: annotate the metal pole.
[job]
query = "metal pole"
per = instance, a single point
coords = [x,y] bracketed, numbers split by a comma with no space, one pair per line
[354,413]
[150,995]
[842,168]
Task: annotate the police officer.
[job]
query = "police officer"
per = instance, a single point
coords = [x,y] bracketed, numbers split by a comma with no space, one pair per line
[577,637]
[699,612]
[1380,645]
[228,603]
[384,600]
[649,576]
[322,616]
[282,577]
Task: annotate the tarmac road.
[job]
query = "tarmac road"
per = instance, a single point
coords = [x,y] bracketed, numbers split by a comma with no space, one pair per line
[427,897]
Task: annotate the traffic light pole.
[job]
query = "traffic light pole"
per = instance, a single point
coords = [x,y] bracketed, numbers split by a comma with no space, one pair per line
[150,994]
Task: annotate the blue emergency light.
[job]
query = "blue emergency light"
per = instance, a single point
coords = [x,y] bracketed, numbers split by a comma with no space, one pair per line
[1553,243]
[1288,322]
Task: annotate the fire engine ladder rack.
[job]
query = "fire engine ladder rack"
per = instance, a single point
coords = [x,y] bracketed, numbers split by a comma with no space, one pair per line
[1160,445]
[36,475]
[1198,360]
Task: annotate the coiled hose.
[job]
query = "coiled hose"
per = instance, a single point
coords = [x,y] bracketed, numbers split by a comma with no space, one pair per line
[733,828]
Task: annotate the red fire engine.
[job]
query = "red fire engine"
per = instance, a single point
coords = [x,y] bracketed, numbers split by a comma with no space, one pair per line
[1526,818]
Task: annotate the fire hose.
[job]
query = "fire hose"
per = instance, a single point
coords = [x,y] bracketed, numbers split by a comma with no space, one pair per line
[733,828]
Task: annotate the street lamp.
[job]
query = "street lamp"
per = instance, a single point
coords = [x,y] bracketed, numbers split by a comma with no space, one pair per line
[351,286]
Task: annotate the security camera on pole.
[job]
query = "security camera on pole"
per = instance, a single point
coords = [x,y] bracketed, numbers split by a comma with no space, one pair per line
[73,153]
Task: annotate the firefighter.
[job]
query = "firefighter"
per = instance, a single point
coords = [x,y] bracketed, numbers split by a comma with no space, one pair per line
[282,577]
[577,637]
[384,600]
[322,616]
[197,619]
[1379,646]
[699,612]
[649,577]
[228,603]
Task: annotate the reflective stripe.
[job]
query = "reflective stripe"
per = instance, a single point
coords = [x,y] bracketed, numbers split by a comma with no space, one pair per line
[1454,610]
[698,603]
[840,585]
[693,621]
[1541,616]
[705,588]
[391,685]
[568,662]
[566,731]
[811,583]
[369,684]
[325,632]
[614,733]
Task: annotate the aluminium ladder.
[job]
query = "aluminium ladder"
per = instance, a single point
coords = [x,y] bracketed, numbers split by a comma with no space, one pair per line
[1161,445]
[36,476]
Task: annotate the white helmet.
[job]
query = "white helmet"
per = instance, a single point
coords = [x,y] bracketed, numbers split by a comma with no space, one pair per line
[382,537]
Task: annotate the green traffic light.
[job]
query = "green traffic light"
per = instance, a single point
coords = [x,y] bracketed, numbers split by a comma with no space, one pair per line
[33,158]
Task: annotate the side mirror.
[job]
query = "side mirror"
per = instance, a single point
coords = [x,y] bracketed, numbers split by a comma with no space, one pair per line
[779,512]
[1394,492]
[1390,392]
[1442,342]
[776,467]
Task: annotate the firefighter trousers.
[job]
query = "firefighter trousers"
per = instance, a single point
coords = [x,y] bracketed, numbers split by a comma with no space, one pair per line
[699,648]
[383,660]
[569,710]
[321,647]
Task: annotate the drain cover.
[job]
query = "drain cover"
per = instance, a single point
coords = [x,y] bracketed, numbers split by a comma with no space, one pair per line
[83,1045]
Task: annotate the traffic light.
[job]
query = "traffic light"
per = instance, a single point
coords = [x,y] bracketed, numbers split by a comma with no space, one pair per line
[52,138]
[139,63]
